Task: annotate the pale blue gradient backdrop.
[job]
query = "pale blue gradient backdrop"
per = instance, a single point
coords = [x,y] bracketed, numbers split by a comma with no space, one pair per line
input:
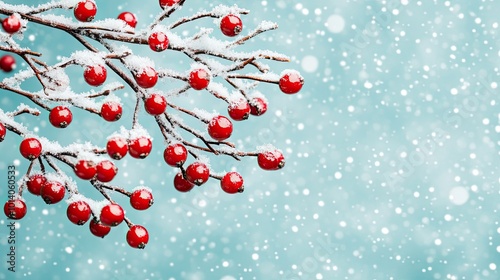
[392,156]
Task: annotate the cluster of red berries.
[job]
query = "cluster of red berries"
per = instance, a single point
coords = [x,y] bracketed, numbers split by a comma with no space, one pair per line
[197,173]
[79,212]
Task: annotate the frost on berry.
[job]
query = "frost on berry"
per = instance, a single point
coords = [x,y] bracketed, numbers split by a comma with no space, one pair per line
[15,209]
[11,24]
[112,215]
[52,192]
[78,212]
[117,84]
[197,173]
[158,41]
[231,25]
[291,82]
[270,159]
[141,198]
[232,182]
[85,10]
[129,18]
[30,148]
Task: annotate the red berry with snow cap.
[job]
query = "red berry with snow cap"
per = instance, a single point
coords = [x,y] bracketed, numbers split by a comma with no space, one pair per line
[11,24]
[155,104]
[199,79]
[239,110]
[111,111]
[146,77]
[117,147]
[15,209]
[95,75]
[175,154]
[78,212]
[158,41]
[141,199]
[106,171]
[140,147]
[112,215]
[271,160]
[129,18]
[30,148]
[85,169]
[232,182]
[291,82]
[52,192]
[60,116]
[85,11]
[231,25]
[197,173]
[258,106]
[220,128]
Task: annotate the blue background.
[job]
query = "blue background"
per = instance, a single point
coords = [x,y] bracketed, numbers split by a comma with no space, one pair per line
[391,146]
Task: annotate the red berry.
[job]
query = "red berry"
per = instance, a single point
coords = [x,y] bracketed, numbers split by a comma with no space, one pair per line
[239,110]
[112,215]
[231,25]
[137,237]
[7,63]
[155,104]
[197,173]
[199,79]
[258,106]
[182,184]
[60,116]
[85,11]
[111,111]
[52,192]
[30,148]
[106,171]
[78,212]
[11,24]
[98,229]
[158,41]
[140,147]
[291,83]
[220,128]
[232,182]
[175,154]
[35,183]
[271,160]
[95,75]
[147,77]
[117,148]
[168,3]
[3,131]
[141,199]
[85,169]
[15,209]
[128,18]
